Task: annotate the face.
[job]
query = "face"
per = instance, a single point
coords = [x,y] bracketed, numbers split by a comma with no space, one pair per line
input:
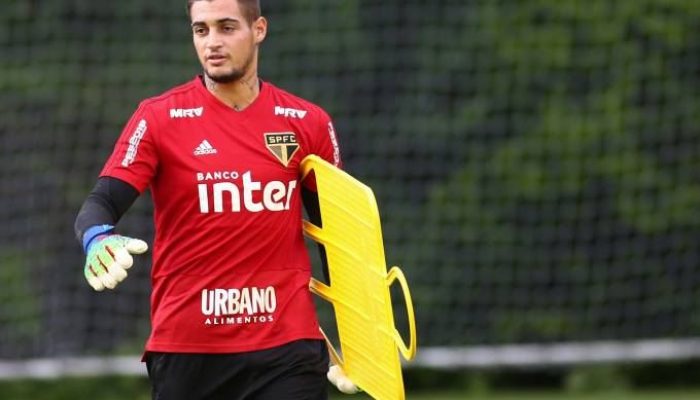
[226,44]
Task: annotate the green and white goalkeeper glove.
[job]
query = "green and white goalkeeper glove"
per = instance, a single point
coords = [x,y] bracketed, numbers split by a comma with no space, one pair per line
[338,378]
[108,256]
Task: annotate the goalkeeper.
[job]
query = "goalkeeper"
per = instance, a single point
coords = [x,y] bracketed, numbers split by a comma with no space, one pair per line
[231,313]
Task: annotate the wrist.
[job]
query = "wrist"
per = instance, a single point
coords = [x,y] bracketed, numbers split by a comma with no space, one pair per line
[95,232]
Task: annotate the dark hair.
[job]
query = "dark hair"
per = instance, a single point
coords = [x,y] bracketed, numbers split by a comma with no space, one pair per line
[249,8]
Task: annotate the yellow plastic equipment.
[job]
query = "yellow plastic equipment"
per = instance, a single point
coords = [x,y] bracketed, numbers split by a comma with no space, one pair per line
[359,282]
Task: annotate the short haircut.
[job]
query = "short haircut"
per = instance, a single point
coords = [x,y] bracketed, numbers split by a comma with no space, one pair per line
[249,8]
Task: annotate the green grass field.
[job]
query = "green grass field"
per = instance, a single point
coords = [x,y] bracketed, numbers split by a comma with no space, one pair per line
[554,395]
[128,388]
[671,395]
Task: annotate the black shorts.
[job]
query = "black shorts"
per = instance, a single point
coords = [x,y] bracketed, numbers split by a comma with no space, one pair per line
[294,371]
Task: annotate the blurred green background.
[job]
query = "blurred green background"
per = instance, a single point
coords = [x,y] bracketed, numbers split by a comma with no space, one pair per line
[536,164]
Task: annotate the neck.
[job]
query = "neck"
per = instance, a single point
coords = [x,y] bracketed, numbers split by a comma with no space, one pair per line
[238,94]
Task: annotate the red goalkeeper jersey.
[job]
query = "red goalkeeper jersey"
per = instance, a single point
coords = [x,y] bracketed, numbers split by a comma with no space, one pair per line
[230,267]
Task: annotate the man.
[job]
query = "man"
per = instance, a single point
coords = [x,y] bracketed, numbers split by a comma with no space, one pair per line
[231,314]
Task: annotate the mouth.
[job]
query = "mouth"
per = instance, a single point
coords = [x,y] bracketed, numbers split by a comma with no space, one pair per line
[216,59]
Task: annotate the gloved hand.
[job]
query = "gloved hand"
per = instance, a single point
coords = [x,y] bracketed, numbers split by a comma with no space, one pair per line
[108,258]
[338,378]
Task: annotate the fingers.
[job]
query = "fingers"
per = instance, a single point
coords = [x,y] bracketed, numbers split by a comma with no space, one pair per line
[95,282]
[123,258]
[117,272]
[338,378]
[136,246]
[109,281]
[131,246]
[109,265]
[105,275]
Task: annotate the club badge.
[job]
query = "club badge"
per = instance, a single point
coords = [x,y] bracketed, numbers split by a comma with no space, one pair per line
[282,145]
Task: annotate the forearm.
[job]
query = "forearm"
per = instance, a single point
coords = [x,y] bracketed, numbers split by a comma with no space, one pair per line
[105,205]
[313,210]
[108,255]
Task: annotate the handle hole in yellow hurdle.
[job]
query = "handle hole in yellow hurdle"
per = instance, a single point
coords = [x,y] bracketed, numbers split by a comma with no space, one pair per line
[396,275]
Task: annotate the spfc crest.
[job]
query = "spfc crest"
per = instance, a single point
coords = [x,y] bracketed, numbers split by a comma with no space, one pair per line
[283,145]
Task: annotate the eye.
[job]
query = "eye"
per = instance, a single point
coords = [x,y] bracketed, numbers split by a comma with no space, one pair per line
[199,30]
[228,28]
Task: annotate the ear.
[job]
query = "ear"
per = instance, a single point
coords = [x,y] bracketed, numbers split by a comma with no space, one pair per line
[259,29]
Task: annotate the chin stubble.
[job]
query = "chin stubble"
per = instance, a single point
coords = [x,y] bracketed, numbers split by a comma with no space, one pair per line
[225,78]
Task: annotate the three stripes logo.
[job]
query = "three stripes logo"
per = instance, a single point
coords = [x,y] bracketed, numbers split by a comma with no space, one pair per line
[204,148]
[282,145]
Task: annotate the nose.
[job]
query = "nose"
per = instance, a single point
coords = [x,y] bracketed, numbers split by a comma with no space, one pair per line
[213,40]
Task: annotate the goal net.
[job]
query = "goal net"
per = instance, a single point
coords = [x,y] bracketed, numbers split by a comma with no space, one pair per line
[536,164]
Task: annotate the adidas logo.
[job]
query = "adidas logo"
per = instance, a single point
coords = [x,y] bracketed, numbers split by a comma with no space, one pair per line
[204,148]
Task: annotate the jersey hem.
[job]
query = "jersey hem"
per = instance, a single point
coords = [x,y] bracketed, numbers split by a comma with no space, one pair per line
[171,347]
